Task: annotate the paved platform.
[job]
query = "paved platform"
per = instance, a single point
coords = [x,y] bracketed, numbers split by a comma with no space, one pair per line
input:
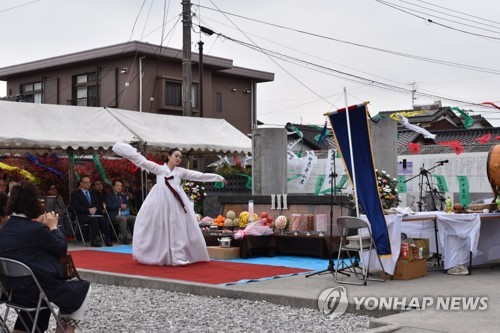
[299,291]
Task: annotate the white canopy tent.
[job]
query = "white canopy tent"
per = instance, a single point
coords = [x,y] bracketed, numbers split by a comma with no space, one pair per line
[44,126]
[32,126]
[161,132]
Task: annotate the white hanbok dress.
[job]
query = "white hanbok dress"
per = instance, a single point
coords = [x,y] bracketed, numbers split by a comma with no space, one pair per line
[165,234]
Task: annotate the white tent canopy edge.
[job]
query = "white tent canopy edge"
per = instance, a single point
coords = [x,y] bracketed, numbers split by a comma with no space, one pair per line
[32,126]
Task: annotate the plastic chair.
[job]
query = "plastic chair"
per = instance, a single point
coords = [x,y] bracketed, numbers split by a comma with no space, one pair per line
[10,268]
[353,248]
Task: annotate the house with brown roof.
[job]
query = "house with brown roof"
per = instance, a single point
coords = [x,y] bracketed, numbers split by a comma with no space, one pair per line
[142,77]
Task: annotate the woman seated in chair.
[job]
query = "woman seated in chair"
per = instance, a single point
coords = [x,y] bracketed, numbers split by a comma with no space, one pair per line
[33,239]
[54,202]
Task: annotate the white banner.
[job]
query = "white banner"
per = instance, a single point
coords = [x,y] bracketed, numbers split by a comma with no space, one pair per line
[310,160]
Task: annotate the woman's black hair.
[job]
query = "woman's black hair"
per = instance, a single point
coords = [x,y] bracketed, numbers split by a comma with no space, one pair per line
[50,185]
[23,199]
[170,152]
[3,203]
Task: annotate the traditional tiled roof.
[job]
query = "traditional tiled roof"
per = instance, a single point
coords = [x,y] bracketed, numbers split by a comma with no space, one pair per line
[309,132]
[427,118]
[467,137]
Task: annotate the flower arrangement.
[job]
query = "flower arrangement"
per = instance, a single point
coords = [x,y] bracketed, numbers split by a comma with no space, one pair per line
[387,189]
[195,193]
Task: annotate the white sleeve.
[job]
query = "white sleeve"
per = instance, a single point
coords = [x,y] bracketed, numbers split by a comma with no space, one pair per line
[197,176]
[130,153]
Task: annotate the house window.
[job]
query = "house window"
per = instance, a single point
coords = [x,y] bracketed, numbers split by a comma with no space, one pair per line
[218,102]
[85,89]
[32,92]
[173,94]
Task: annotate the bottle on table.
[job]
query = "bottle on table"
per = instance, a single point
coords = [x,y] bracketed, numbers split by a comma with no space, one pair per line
[449,206]
[497,201]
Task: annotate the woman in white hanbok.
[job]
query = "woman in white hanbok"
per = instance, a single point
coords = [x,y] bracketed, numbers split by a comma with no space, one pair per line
[166,231]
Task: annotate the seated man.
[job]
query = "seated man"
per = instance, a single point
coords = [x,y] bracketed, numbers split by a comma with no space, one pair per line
[85,204]
[119,211]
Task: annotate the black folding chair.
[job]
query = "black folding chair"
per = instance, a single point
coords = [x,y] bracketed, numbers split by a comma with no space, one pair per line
[11,269]
[111,224]
[75,224]
[3,298]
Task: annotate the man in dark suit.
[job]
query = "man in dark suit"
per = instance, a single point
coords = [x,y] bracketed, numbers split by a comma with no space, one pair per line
[85,202]
[119,211]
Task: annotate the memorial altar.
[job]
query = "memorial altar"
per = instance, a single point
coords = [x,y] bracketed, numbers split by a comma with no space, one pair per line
[472,239]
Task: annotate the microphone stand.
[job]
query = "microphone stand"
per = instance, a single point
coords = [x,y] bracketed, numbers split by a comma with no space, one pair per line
[425,174]
[333,201]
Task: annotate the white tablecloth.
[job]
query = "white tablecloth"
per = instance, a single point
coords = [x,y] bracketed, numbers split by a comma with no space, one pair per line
[458,234]
[394,230]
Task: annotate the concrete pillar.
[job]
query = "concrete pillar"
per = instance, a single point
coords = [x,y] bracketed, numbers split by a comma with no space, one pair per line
[384,137]
[269,158]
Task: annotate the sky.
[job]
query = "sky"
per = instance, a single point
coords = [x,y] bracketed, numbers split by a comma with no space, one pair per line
[373,50]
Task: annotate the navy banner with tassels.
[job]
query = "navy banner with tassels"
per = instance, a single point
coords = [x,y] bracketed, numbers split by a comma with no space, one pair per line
[366,179]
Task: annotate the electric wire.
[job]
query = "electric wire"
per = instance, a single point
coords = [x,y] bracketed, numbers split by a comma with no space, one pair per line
[397,53]
[454,16]
[21,5]
[308,54]
[456,11]
[277,64]
[400,8]
[345,75]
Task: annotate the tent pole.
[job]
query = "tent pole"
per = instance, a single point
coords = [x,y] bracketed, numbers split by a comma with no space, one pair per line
[70,173]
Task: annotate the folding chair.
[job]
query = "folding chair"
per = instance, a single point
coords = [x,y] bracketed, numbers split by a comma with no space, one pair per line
[112,225]
[12,269]
[360,244]
[3,298]
[75,224]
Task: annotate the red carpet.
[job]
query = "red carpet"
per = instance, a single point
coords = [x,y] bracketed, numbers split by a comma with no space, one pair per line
[213,272]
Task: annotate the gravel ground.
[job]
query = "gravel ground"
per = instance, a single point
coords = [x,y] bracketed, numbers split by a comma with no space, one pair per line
[123,309]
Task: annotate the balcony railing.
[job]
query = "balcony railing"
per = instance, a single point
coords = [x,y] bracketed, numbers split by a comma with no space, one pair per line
[86,101]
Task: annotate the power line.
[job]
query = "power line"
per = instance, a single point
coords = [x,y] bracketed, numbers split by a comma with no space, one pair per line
[401,54]
[21,5]
[344,75]
[455,16]
[456,11]
[277,64]
[399,8]
[307,54]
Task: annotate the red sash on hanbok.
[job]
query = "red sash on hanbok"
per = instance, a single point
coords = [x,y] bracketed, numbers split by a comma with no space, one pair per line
[174,192]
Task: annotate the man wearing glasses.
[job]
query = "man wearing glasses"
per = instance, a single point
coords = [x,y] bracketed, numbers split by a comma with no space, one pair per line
[84,202]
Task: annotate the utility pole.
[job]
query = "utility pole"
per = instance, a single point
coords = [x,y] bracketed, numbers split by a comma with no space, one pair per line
[187,76]
[200,86]
[414,86]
